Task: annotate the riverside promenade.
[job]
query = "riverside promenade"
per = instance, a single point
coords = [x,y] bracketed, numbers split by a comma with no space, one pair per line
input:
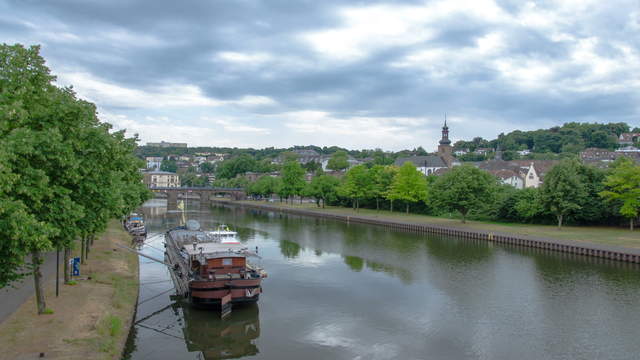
[90,319]
[585,248]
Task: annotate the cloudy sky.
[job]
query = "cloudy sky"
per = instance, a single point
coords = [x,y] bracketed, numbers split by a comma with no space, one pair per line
[360,74]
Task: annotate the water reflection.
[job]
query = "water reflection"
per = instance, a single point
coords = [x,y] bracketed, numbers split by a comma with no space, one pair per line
[215,338]
[346,291]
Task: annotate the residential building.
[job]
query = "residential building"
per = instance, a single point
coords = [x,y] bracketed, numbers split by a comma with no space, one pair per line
[530,171]
[597,154]
[628,138]
[603,155]
[164,144]
[156,179]
[483,151]
[153,162]
[509,177]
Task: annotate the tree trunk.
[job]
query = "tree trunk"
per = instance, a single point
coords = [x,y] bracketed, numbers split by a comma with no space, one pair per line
[391,205]
[88,247]
[36,259]
[82,248]
[300,199]
[407,208]
[559,222]
[324,202]
[631,224]
[464,217]
[67,257]
[377,204]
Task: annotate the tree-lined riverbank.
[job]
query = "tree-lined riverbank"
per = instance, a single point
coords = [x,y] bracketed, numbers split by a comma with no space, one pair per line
[613,239]
[91,319]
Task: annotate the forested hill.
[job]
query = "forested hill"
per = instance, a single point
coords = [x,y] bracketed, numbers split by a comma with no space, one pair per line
[568,138]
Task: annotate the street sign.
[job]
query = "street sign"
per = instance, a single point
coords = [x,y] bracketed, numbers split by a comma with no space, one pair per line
[75,266]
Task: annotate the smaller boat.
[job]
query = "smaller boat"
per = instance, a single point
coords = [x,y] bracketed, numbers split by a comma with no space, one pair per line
[135,225]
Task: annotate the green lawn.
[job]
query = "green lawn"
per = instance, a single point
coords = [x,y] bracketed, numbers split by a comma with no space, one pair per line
[592,234]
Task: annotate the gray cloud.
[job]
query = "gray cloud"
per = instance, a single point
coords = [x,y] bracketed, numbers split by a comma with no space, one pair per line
[508,69]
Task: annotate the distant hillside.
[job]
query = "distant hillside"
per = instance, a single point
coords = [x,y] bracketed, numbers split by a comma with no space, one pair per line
[568,138]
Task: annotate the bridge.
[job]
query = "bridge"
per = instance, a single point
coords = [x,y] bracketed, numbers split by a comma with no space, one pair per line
[203,194]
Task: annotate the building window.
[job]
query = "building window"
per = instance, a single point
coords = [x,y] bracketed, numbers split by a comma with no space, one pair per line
[227,262]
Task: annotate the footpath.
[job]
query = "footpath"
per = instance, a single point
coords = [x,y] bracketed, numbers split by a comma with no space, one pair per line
[598,242]
[90,319]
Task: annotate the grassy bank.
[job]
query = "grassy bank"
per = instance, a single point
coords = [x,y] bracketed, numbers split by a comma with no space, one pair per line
[90,319]
[590,234]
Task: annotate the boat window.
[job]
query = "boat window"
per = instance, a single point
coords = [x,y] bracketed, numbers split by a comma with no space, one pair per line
[227,261]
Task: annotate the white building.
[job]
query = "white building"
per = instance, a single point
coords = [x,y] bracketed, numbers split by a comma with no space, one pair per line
[159,179]
[153,162]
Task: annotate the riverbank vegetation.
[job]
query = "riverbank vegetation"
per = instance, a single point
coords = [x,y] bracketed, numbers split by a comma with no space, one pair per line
[63,172]
[573,193]
[91,318]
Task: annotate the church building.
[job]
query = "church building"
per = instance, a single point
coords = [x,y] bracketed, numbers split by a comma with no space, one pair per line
[432,164]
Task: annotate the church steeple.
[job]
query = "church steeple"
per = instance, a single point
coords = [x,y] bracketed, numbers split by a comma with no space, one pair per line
[445,133]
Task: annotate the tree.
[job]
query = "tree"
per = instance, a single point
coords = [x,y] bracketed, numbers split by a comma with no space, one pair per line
[323,188]
[463,189]
[292,179]
[229,169]
[623,184]
[168,165]
[312,166]
[356,185]
[264,186]
[409,185]
[207,167]
[382,177]
[73,173]
[562,190]
[338,161]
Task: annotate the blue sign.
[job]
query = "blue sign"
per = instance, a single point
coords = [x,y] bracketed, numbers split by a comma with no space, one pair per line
[75,267]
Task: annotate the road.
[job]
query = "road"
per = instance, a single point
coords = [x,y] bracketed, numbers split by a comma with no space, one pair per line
[12,298]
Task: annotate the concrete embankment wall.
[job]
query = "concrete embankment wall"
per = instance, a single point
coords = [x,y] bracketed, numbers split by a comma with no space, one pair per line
[570,247]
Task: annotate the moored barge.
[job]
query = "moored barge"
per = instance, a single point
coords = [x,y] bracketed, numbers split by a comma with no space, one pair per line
[211,268]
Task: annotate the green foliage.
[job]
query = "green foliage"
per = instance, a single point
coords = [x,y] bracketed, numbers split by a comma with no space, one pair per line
[623,185]
[193,180]
[409,185]
[522,205]
[168,165]
[568,138]
[338,161]
[312,166]
[264,186]
[563,191]
[242,164]
[382,178]
[464,188]
[356,185]
[323,188]
[207,168]
[63,173]
[292,179]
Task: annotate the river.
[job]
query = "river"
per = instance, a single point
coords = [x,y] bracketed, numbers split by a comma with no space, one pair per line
[353,291]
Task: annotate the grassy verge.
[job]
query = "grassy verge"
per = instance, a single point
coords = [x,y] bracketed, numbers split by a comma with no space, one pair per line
[90,318]
[591,234]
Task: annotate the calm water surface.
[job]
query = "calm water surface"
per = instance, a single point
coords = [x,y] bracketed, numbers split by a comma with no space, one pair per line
[350,291]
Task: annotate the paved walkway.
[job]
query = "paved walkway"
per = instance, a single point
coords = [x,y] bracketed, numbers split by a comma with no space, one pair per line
[12,298]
